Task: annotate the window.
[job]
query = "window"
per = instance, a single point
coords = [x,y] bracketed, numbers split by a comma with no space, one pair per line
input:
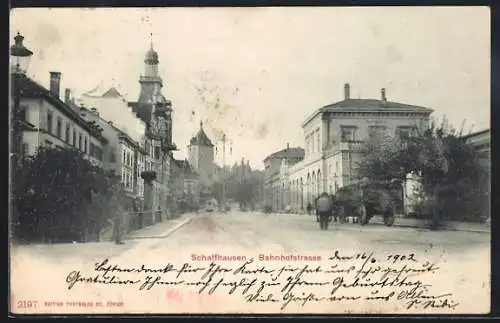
[59,127]
[318,142]
[336,167]
[157,152]
[92,150]
[49,122]
[124,157]
[112,157]
[348,133]
[376,132]
[67,133]
[74,138]
[80,141]
[404,132]
[85,145]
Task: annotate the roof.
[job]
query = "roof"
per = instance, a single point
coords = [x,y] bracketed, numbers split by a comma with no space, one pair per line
[369,105]
[287,153]
[31,89]
[201,139]
[185,166]
[101,90]
[477,133]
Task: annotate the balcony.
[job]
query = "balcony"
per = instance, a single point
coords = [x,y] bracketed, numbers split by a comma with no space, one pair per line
[352,145]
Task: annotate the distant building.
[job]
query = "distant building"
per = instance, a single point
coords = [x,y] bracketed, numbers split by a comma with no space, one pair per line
[48,121]
[185,181]
[334,137]
[276,166]
[480,140]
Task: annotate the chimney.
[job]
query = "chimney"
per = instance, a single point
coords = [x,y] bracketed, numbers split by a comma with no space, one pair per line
[55,83]
[110,123]
[382,93]
[94,111]
[67,96]
[347,91]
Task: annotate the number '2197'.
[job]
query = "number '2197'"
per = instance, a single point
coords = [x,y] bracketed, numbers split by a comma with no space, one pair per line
[26,304]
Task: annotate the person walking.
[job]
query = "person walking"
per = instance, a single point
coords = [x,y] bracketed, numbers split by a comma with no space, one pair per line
[309,208]
[324,210]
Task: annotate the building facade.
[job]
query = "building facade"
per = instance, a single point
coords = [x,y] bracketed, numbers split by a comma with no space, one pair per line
[276,170]
[334,138]
[480,140]
[51,122]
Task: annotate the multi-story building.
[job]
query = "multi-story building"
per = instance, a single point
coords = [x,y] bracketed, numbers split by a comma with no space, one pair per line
[480,140]
[334,137]
[122,155]
[51,122]
[128,131]
[185,181]
[276,166]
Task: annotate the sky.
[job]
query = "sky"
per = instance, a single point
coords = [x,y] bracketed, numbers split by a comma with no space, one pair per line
[256,73]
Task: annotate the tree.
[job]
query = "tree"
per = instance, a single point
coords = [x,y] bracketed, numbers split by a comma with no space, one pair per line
[453,182]
[61,196]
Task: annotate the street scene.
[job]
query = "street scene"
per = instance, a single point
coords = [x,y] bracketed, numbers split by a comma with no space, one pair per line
[194,148]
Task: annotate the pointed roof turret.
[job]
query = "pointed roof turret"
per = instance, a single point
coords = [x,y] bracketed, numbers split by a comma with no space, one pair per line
[151,55]
[201,138]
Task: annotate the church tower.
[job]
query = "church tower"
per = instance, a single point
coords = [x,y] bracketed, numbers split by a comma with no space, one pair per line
[151,85]
[201,154]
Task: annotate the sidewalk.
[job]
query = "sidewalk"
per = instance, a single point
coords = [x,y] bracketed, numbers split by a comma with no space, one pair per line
[162,229]
[415,223]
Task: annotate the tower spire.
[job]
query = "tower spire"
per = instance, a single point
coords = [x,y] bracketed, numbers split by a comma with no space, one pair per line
[201,124]
[151,39]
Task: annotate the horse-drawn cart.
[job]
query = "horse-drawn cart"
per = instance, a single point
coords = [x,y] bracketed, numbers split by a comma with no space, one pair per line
[365,199]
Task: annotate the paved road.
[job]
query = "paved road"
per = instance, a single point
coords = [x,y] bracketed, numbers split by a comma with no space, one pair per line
[463,257]
[294,233]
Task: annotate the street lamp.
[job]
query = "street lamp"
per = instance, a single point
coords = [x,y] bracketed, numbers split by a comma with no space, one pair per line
[20,55]
[225,141]
[19,58]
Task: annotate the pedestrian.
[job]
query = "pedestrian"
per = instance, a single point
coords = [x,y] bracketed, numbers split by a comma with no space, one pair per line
[334,213]
[324,210]
[309,208]
[118,214]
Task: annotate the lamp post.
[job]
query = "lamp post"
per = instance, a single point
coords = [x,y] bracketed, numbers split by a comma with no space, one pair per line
[224,142]
[19,60]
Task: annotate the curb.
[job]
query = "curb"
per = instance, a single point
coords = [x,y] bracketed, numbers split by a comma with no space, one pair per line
[164,235]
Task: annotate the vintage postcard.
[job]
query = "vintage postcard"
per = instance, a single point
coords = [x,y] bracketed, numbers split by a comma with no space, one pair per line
[250,160]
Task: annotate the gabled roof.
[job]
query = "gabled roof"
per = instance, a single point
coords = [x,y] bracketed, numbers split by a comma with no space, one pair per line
[103,91]
[294,152]
[368,105]
[112,93]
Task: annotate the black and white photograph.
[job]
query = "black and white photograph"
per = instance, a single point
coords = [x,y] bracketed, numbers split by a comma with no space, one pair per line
[252,160]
